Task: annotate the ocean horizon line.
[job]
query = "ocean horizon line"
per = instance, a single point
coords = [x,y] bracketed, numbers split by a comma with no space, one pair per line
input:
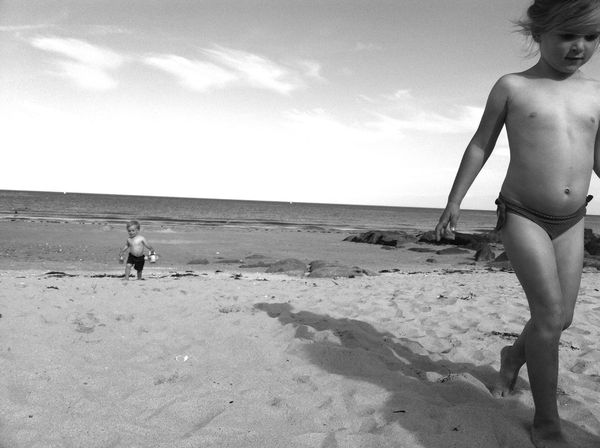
[129,195]
[22,205]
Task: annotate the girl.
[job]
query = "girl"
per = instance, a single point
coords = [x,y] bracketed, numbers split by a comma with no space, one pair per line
[551,113]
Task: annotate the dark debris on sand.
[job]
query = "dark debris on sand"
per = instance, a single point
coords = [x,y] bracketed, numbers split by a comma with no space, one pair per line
[58,274]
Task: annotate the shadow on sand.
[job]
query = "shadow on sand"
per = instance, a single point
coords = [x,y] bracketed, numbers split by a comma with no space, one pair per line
[451,400]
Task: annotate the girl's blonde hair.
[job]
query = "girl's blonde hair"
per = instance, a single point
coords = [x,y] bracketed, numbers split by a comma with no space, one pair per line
[577,16]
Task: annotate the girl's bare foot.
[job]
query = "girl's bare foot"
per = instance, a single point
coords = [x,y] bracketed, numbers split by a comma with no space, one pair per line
[509,373]
[548,437]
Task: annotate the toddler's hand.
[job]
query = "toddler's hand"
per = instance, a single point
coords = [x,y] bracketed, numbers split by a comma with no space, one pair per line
[121,259]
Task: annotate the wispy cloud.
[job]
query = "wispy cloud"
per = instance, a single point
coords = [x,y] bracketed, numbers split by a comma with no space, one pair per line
[402,111]
[257,71]
[90,66]
[18,28]
[402,95]
[465,119]
[404,114]
[197,75]
[226,67]
[311,69]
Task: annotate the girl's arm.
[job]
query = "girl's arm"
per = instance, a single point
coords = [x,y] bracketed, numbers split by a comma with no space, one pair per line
[597,154]
[478,151]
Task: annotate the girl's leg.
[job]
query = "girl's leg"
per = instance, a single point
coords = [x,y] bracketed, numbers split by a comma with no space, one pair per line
[568,250]
[512,358]
[535,261]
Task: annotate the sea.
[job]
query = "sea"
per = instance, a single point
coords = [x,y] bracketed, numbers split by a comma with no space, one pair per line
[172,211]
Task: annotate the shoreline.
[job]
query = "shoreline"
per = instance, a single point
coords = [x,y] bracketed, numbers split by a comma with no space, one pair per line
[206,223]
[86,246]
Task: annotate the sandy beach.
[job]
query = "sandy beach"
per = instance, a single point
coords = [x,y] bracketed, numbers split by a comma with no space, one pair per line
[211,350]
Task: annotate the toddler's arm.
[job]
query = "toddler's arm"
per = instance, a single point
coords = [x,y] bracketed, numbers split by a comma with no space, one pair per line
[122,251]
[147,245]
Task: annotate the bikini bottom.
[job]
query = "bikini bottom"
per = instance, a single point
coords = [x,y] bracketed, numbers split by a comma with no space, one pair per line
[553,225]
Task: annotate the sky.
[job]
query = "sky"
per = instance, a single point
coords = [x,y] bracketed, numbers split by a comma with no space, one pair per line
[329,101]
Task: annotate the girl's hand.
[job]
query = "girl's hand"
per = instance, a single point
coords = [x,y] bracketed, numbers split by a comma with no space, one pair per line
[121,259]
[447,223]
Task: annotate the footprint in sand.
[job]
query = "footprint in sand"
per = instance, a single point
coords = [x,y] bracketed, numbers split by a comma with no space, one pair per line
[161,379]
[306,380]
[86,324]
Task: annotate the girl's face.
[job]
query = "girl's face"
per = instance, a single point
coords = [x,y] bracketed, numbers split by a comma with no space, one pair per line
[566,52]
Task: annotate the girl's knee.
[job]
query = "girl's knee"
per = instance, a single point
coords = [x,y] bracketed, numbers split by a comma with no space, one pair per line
[567,321]
[549,325]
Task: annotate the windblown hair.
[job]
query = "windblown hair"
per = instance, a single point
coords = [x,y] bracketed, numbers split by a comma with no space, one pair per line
[576,16]
[133,223]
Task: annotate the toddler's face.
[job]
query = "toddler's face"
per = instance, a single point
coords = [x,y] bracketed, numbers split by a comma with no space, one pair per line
[132,231]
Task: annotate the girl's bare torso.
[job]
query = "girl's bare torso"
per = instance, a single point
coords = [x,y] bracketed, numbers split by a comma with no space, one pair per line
[552,127]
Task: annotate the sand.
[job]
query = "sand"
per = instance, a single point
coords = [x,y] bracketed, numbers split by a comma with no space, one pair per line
[217,355]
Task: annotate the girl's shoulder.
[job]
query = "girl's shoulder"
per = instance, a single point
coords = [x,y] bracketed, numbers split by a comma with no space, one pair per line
[513,81]
[593,83]
[507,85]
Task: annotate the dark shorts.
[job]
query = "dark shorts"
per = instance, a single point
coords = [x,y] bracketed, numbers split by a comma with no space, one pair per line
[136,262]
[553,225]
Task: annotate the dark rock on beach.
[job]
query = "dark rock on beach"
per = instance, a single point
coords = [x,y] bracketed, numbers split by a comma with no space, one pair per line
[257,261]
[382,237]
[229,260]
[472,241]
[484,244]
[500,262]
[592,262]
[258,264]
[591,242]
[502,257]
[421,249]
[485,253]
[289,265]
[398,238]
[452,251]
[257,257]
